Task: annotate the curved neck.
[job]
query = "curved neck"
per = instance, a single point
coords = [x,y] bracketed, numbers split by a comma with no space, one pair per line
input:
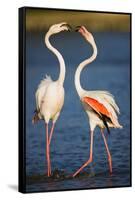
[59,56]
[79,89]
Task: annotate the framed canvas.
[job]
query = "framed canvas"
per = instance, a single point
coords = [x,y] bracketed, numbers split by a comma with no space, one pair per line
[74,99]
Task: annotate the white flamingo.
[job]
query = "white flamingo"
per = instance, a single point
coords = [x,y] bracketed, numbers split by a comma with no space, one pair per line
[100,106]
[50,94]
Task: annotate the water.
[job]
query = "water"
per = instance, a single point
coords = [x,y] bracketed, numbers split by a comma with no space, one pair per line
[70,142]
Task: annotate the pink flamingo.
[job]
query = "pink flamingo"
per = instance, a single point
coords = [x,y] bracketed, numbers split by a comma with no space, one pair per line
[100,106]
[50,94]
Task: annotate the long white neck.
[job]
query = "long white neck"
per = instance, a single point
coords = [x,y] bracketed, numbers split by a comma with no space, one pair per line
[79,89]
[59,56]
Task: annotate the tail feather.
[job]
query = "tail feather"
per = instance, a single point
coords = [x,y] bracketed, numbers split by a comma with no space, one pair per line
[35,117]
[105,123]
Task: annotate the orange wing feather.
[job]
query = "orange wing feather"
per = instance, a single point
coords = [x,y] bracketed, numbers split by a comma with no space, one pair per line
[97,106]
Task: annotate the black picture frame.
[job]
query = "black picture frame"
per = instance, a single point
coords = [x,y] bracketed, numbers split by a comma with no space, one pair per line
[22,98]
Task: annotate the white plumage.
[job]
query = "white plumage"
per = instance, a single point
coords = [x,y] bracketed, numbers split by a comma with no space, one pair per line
[100,106]
[50,94]
[41,90]
[49,99]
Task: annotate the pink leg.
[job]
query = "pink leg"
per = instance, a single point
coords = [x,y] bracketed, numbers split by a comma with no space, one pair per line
[49,141]
[90,158]
[49,158]
[108,152]
[51,133]
[47,151]
[49,162]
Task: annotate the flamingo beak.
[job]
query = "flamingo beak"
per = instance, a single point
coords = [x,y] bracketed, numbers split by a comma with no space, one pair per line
[68,26]
[77,28]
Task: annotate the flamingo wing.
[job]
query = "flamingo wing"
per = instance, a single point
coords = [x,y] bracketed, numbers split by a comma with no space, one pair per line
[41,91]
[100,109]
[96,106]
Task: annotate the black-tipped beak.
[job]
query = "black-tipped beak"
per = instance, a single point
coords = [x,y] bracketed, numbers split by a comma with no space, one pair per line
[68,26]
[77,28]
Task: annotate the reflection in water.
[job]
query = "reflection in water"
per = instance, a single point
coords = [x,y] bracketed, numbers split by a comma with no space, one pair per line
[70,142]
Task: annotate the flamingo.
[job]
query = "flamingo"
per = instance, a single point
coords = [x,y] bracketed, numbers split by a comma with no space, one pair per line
[50,94]
[100,106]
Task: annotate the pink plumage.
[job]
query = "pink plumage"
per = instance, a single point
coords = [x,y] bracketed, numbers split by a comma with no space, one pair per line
[100,106]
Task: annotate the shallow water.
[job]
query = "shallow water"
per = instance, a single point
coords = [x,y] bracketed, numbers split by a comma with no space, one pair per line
[70,142]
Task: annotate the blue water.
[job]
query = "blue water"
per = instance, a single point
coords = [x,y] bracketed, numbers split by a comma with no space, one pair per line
[70,142]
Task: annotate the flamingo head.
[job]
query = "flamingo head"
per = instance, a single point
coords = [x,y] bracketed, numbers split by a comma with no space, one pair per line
[56,28]
[85,33]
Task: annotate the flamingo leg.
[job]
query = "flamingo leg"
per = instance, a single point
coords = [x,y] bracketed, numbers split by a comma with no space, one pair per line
[49,158]
[47,152]
[108,152]
[90,157]
[51,132]
[49,141]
